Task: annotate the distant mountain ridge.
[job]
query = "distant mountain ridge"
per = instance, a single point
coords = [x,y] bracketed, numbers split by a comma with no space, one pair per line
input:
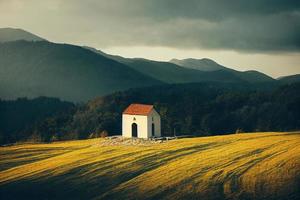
[203,64]
[209,65]
[13,34]
[189,70]
[169,72]
[32,69]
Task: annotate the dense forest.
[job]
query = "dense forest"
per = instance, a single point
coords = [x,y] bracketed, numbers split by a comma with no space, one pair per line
[186,109]
[33,119]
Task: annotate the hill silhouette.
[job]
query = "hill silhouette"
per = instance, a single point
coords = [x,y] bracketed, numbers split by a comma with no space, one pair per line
[32,69]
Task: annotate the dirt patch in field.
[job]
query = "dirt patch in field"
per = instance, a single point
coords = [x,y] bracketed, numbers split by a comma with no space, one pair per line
[119,140]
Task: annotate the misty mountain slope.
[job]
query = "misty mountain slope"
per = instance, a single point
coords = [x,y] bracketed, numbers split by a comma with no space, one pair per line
[253,76]
[113,57]
[12,34]
[69,72]
[290,79]
[206,64]
[189,70]
[170,72]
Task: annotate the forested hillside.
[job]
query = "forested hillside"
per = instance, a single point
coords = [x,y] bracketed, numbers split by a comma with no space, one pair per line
[33,119]
[290,79]
[199,109]
[186,109]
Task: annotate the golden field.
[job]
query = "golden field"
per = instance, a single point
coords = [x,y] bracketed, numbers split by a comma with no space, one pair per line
[239,166]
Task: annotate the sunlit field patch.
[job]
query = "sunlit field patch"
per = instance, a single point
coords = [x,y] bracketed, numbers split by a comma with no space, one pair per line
[243,166]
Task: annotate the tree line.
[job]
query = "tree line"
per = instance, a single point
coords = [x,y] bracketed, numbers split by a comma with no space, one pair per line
[200,109]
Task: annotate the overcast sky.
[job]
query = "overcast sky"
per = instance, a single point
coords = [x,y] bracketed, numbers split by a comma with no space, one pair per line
[243,34]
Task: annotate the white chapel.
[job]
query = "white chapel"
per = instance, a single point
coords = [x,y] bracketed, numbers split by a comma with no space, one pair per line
[141,121]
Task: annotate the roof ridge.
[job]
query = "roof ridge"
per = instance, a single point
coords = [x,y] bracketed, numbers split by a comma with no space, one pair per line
[138,109]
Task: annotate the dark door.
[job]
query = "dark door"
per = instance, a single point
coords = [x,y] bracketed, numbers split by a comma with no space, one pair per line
[134,130]
[153,130]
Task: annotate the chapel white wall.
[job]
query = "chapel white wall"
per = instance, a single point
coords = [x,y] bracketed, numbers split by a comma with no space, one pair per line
[156,121]
[140,120]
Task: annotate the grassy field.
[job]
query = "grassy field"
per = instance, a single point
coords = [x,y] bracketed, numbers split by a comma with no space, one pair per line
[240,166]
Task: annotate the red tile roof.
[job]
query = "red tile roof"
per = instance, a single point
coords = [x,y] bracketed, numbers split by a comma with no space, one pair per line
[138,109]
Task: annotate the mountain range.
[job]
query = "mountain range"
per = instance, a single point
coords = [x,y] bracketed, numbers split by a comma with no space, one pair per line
[31,66]
[31,69]
[182,71]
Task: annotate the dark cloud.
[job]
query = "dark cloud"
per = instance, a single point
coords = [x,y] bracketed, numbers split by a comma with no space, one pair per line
[219,9]
[241,25]
[256,25]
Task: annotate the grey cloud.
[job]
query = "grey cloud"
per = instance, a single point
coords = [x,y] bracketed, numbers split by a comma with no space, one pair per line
[241,25]
[220,9]
[170,9]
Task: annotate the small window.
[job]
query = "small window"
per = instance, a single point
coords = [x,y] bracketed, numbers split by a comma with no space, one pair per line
[152,119]
[134,119]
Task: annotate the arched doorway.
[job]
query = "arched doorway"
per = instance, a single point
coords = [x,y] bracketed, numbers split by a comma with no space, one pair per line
[134,130]
[153,130]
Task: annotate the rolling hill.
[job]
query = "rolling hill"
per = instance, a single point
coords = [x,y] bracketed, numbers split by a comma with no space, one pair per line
[31,69]
[13,34]
[241,166]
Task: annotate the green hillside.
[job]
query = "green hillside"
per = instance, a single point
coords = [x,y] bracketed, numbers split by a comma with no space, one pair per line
[31,69]
[240,166]
[200,109]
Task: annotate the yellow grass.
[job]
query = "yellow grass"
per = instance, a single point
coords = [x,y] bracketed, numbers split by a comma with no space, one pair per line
[241,166]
